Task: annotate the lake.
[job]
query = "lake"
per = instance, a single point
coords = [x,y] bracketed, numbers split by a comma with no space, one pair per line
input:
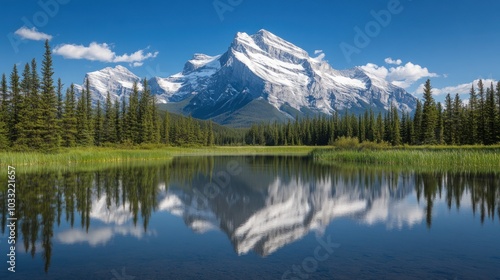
[253,217]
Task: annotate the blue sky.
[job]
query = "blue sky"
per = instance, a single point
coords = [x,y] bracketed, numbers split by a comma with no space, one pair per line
[451,42]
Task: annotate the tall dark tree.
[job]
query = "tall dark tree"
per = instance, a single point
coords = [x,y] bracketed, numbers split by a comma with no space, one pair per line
[98,125]
[429,116]
[417,124]
[490,117]
[449,134]
[132,119]
[440,124]
[481,112]
[109,124]
[69,121]
[59,99]
[473,117]
[4,131]
[16,103]
[48,104]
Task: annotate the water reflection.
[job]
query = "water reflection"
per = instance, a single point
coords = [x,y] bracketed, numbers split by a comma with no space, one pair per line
[261,203]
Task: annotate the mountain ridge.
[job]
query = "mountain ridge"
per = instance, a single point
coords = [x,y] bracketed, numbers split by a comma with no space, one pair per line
[257,69]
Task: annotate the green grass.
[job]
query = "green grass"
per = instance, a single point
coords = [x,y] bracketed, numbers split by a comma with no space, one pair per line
[140,153]
[467,158]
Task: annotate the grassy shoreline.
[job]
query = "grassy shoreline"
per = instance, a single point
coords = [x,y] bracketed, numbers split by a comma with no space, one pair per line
[457,158]
[77,156]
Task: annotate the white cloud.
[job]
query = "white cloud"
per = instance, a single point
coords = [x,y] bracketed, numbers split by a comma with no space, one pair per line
[401,76]
[101,52]
[391,61]
[32,34]
[460,89]
[318,51]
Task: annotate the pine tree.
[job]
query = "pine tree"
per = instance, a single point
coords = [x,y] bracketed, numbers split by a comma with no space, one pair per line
[26,123]
[481,113]
[16,103]
[210,134]
[89,122]
[132,121]
[165,134]
[109,124]
[48,104]
[417,124]
[84,137]
[156,121]
[4,107]
[69,121]
[449,133]
[4,131]
[379,129]
[458,124]
[395,127]
[98,125]
[145,116]
[118,122]
[473,117]
[490,113]
[429,116]
[440,124]
[59,99]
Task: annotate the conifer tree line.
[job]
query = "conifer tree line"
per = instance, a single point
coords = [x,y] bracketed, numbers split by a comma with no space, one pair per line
[35,115]
[432,123]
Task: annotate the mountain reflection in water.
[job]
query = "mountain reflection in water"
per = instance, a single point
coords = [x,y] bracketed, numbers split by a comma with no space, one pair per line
[269,203]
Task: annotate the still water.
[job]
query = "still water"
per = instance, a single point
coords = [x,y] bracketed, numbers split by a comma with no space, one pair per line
[254,217]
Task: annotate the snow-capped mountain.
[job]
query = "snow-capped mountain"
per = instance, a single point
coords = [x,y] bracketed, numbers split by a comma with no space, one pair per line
[260,77]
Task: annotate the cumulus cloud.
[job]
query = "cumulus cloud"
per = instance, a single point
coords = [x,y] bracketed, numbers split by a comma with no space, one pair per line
[318,51]
[460,89]
[102,52]
[392,61]
[32,34]
[402,76]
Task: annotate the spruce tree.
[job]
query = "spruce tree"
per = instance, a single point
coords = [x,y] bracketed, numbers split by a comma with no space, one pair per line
[4,107]
[84,137]
[48,104]
[165,131]
[156,121]
[69,121]
[429,116]
[109,125]
[458,124]
[481,113]
[395,127]
[490,117]
[89,122]
[440,124]
[449,133]
[98,125]
[118,122]
[4,131]
[473,117]
[25,123]
[15,104]
[417,124]
[145,115]
[132,121]
[59,99]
